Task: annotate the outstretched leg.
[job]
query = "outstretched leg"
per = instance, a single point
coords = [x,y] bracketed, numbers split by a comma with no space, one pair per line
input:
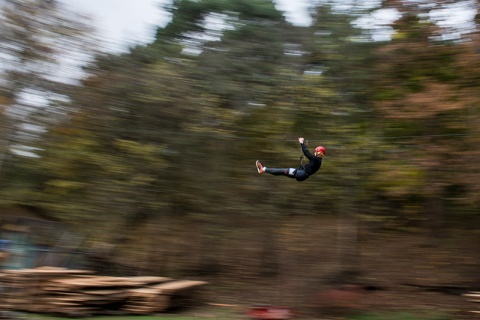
[289,172]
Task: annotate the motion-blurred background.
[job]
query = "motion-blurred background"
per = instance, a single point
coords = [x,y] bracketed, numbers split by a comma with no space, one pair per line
[142,161]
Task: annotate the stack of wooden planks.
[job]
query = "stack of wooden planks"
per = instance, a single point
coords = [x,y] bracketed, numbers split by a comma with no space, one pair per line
[473,296]
[80,293]
[21,289]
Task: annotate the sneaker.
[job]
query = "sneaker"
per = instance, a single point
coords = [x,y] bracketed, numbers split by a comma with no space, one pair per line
[260,168]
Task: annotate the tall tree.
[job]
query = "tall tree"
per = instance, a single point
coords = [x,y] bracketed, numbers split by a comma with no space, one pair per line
[35,37]
[421,93]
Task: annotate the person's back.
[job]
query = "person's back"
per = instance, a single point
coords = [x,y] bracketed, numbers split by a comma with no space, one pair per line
[314,162]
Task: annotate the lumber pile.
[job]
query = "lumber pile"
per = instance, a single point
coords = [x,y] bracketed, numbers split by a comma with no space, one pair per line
[80,293]
[473,296]
[23,287]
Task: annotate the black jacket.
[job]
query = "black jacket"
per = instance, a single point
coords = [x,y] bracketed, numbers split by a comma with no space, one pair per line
[314,163]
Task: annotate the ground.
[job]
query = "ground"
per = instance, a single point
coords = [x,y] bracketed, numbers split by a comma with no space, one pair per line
[406,271]
[337,268]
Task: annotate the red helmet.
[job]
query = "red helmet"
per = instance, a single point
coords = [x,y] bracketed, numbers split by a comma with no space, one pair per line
[321,150]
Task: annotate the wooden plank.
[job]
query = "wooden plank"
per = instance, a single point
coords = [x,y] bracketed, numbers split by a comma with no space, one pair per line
[179,285]
[472,295]
[103,292]
[144,291]
[96,281]
[149,280]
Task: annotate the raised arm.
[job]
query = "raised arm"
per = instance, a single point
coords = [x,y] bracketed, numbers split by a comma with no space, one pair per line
[305,149]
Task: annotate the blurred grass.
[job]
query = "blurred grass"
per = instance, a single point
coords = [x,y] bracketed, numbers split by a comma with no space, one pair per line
[162,317]
[207,313]
[400,316]
[123,318]
[36,317]
[227,315]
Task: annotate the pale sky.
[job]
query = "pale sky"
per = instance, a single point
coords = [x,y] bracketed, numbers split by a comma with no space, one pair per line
[124,22]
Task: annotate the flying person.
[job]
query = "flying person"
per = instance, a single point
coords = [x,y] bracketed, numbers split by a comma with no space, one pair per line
[305,170]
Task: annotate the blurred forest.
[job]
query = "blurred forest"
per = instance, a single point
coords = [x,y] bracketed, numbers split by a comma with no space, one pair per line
[151,154]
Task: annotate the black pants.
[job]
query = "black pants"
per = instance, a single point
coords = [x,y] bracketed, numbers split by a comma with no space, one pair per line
[298,174]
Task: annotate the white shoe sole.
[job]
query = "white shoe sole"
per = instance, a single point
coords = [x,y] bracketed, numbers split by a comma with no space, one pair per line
[258,169]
